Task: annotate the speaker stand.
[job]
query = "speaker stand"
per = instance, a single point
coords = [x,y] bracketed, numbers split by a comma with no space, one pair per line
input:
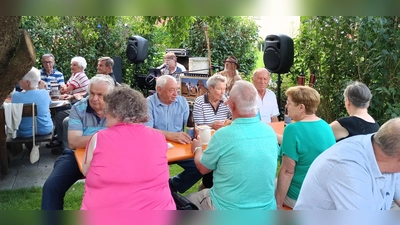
[279,83]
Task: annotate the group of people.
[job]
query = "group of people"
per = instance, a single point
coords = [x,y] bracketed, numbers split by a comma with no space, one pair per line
[351,163]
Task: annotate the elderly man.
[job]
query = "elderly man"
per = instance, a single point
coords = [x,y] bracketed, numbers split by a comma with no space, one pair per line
[245,145]
[266,99]
[86,117]
[358,173]
[105,66]
[171,66]
[49,73]
[168,113]
[231,65]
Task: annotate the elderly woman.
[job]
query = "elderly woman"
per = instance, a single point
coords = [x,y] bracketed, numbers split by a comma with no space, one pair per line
[126,165]
[34,95]
[356,100]
[209,108]
[302,142]
[77,84]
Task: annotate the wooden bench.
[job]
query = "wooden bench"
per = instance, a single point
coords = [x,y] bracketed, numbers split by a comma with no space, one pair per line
[5,156]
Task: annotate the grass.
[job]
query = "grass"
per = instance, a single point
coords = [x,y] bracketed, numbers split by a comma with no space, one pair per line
[31,198]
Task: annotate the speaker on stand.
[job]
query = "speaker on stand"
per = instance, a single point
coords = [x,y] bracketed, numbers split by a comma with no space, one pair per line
[136,52]
[278,58]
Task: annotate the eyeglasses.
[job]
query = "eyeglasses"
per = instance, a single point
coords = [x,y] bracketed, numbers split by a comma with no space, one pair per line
[47,62]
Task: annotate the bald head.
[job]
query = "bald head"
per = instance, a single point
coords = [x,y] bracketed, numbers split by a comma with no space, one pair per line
[387,137]
[261,78]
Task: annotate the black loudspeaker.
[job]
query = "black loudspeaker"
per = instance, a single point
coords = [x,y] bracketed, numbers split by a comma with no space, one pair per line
[137,49]
[117,68]
[278,53]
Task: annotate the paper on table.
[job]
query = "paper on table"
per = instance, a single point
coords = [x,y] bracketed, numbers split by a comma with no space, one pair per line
[58,103]
[170,145]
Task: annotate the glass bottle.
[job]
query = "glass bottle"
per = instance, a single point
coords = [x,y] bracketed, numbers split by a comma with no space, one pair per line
[190,125]
[287,120]
[301,79]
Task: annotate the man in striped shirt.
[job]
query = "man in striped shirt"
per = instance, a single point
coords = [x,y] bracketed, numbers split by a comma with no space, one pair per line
[49,73]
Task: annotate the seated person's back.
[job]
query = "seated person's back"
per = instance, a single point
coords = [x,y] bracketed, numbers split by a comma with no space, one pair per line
[357,97]
[128,170]
[33,95]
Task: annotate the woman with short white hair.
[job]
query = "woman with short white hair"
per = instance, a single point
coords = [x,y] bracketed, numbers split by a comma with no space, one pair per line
[77,85]
[41,98]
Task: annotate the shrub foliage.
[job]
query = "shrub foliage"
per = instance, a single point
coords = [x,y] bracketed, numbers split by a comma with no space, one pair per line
[94,37]
[343,49]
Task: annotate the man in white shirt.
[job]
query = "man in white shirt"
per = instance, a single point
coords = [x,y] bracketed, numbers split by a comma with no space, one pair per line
[266,99]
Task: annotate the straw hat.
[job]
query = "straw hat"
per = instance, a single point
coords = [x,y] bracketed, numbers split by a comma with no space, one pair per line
[232,59]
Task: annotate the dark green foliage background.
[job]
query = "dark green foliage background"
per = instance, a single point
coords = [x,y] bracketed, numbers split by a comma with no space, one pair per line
[95,36]
[344,49]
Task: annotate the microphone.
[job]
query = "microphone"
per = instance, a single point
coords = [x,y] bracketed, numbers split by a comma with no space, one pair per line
[162,66]
[217,67]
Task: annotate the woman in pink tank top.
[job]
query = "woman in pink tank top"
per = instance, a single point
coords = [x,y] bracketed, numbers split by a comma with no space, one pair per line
[126,165]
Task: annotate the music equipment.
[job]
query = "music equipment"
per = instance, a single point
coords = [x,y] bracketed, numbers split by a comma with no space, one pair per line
[278,53]
[137,49]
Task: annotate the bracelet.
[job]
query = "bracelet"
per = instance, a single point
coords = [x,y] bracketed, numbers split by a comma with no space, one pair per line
[195,149]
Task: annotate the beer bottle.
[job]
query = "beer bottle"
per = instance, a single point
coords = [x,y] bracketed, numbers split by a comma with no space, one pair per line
[301,78]
[190,125]
[287,120]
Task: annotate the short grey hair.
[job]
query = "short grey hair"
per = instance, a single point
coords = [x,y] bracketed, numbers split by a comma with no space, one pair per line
[80,60]
[259,70]
[387,137]
[102,78]
[244,95]
[132,108]
[162,80]
[213,80]
[33,76]
[109,61]
[358,94]
[48,55]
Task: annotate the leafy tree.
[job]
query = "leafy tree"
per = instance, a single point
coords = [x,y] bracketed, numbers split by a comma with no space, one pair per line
[228,35]
[343,49]
[94,37]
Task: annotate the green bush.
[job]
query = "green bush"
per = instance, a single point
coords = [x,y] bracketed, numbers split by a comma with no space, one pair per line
[94,37]
[228,35]
[343,49]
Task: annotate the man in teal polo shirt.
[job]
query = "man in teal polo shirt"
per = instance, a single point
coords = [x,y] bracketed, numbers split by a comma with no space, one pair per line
[243,157]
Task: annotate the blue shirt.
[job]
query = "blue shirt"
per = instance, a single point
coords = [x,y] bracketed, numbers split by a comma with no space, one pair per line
[83,118]
[167,117]
[347,177]
[42,100]
[243,156]
[56,75]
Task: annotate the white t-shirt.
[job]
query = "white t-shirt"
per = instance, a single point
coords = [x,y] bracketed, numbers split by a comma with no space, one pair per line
[267,106]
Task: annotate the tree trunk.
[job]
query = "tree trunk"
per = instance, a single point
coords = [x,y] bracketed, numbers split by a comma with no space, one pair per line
[17,53]
[17,56]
